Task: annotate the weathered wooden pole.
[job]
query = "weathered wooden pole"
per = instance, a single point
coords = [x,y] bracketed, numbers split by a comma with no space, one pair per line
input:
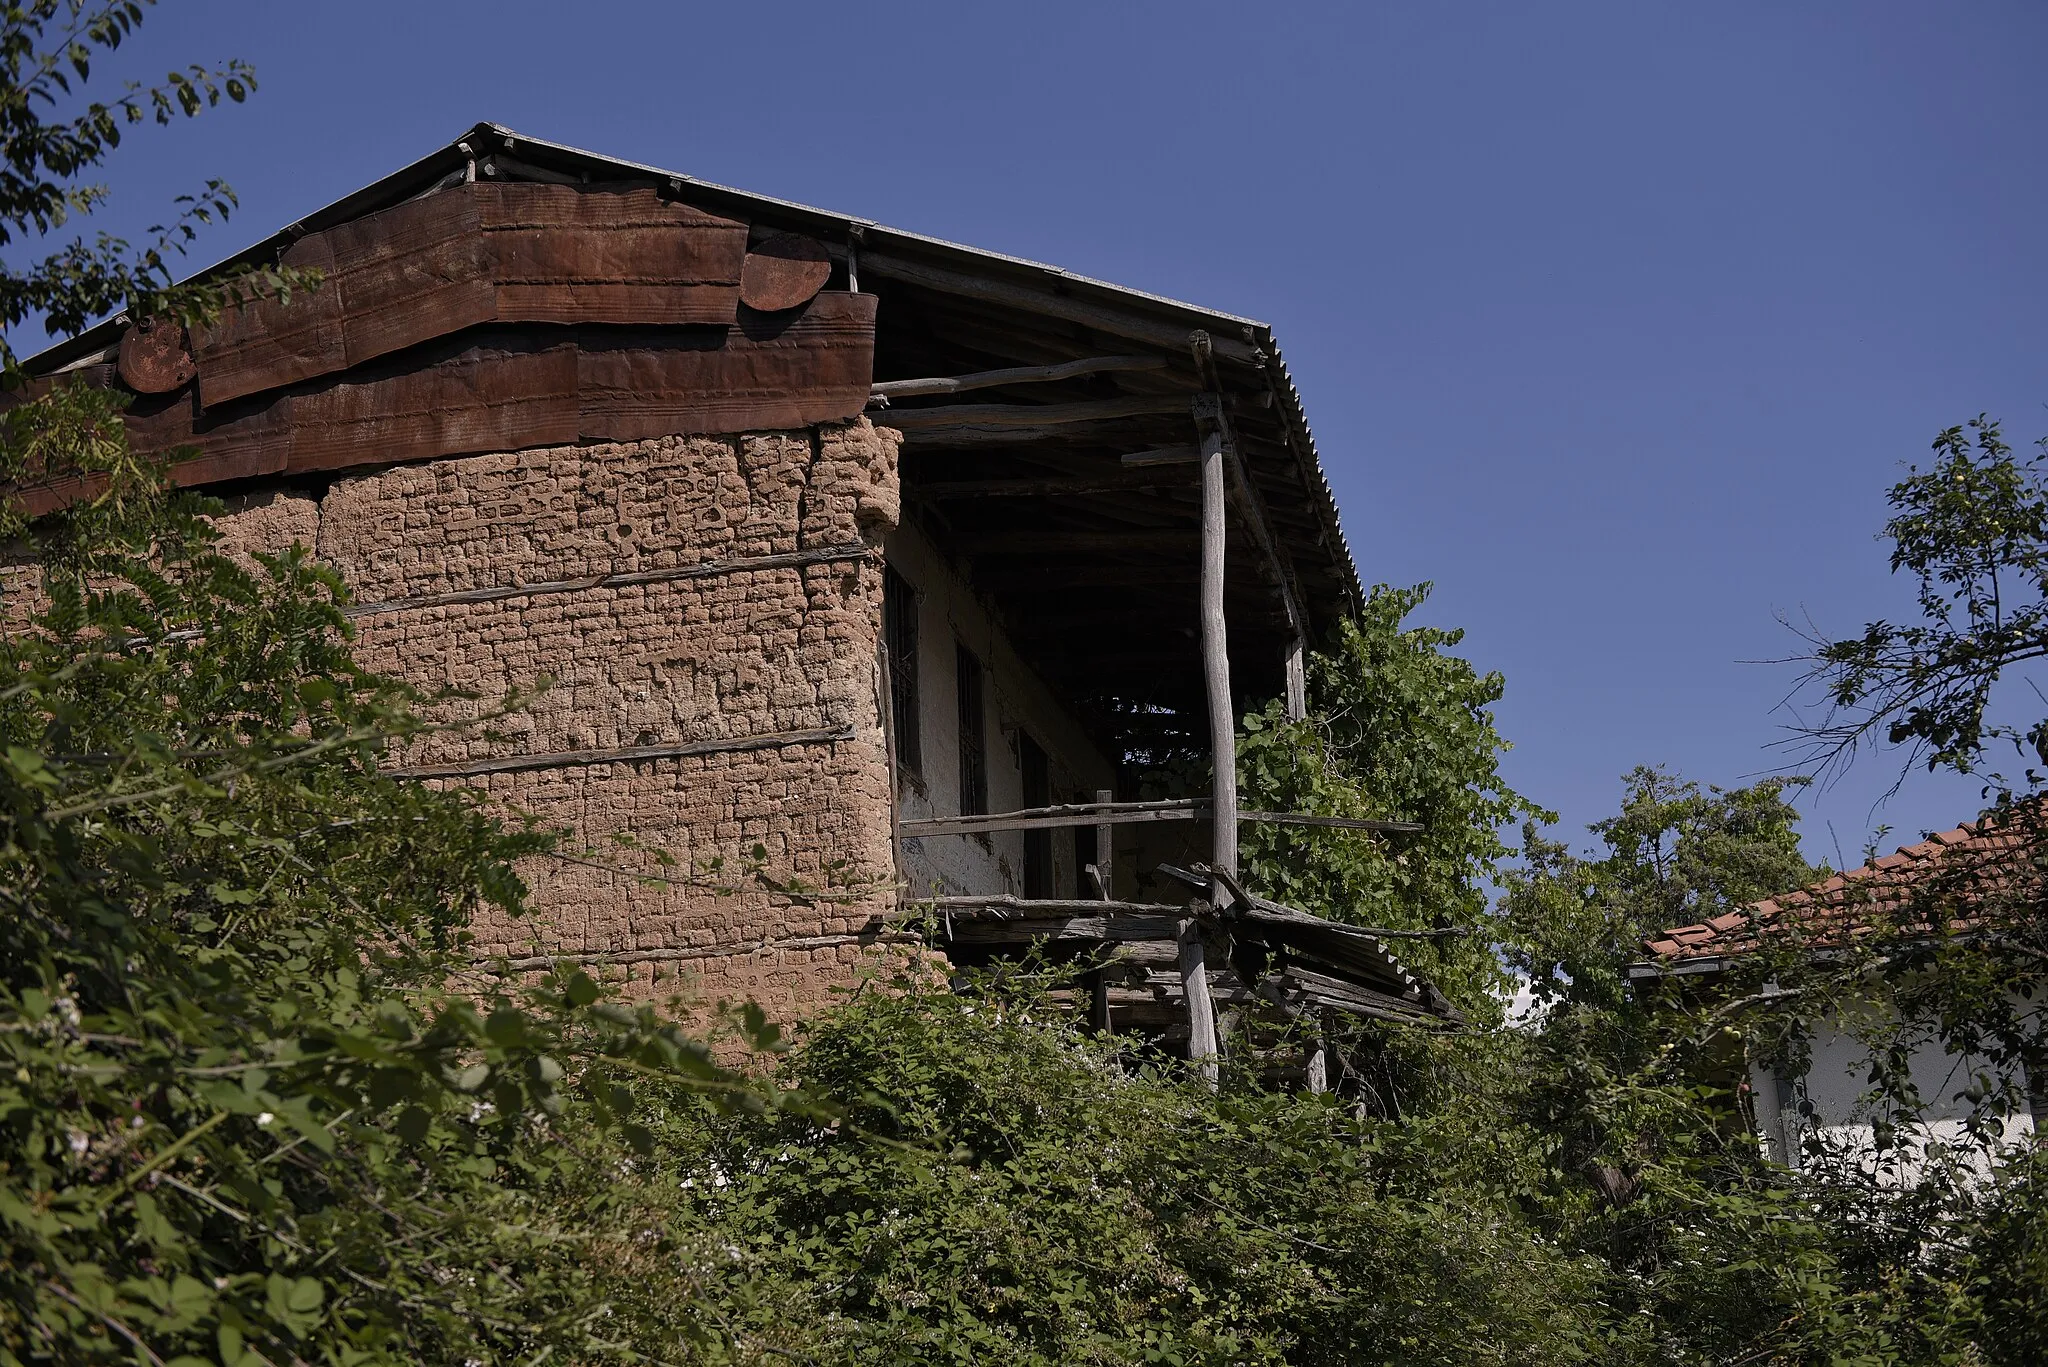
[1319,1056]
[1105,860]
[1194,971]
[1297,681]
[1097,982]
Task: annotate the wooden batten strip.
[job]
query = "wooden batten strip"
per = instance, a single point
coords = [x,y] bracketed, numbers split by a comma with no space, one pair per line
[704,569]
[630,754]
[620,958]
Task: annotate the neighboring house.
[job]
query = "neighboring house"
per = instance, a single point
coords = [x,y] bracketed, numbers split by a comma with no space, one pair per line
[821,530]
[1962,876]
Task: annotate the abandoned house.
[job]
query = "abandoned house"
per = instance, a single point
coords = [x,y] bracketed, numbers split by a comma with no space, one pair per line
[896,559]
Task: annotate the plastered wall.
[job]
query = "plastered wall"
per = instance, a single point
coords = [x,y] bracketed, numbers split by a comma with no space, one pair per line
[1014,701]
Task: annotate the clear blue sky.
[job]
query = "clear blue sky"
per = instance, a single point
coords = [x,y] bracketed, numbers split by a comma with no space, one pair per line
[1613,320]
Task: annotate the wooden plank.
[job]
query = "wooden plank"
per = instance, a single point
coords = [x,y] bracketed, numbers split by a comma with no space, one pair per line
[1295,669]
[1007,906]
[1106,813]
[631,754]
[1028,374]
[1099,929]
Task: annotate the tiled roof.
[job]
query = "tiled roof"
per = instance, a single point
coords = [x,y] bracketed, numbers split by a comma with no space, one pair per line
[1955,872]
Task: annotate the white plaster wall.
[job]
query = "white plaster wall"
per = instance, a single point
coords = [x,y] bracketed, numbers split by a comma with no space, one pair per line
[1834,1100]
[1015,699]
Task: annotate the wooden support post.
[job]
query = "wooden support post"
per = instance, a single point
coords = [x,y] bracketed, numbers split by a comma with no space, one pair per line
[1194,971]
[885,703]
[1297,682]
[1216,650]
[1105,844]
[1319,1064]
[1105,873]
[1096,982]
[1194,977]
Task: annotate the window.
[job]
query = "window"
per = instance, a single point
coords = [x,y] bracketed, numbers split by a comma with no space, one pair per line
[973,733]
[899,632]
[1037,793]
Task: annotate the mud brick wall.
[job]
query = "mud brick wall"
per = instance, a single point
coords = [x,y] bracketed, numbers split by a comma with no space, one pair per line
[731,656]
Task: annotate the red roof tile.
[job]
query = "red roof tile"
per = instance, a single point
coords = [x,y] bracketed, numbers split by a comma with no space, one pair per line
[1952,873]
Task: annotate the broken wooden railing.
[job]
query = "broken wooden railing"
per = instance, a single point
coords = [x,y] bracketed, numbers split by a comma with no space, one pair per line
[1271,959]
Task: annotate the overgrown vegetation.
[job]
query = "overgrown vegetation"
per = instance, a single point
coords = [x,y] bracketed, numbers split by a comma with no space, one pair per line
[259,1105]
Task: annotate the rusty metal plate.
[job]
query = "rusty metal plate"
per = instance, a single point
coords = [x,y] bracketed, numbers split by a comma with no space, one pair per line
[608,255]
[772,372]
[482,399]
[410,274]
[502,389]
[475,254]
[783,272]
[272,342]
[156,357]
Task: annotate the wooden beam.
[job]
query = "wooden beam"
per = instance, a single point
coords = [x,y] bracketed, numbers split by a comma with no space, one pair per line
[1001,906]
[1028,374]
[1103,318]
[1105,813]
[1121,482]
[1005,417]
[1041,542]
[1297,680]
[1164,455]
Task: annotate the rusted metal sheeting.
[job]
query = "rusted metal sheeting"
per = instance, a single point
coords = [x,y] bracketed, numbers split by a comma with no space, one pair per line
[784,271]
[503,391]
[475,254]
[771,371]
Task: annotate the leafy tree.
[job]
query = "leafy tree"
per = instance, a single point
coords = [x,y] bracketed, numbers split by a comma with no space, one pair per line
[1673,855]
[1972,529]
[1399,729]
